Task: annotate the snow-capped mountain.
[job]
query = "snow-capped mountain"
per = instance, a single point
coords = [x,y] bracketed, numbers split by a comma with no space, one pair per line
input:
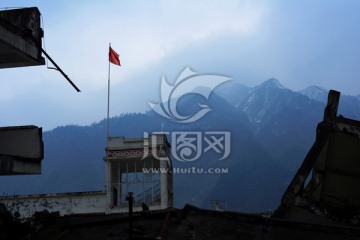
[317,93]
[278,114]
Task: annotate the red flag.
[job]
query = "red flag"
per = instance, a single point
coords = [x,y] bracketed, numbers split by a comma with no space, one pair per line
[114,57]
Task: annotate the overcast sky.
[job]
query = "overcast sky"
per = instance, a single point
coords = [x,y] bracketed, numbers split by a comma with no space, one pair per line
[301,43]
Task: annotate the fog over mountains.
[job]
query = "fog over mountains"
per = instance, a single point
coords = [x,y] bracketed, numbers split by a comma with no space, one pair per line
[272,129]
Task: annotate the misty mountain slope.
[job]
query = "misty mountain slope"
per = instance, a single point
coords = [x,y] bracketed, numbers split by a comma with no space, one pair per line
[278,114]
[246,160]
[250,166]
[284,123]
[317,93]
[233,92]
[258,100]
[251,183]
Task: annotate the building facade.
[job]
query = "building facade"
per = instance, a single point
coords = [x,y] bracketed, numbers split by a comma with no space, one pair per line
[141,167]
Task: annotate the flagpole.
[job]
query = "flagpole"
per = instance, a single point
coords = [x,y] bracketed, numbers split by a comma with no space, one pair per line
[108,100]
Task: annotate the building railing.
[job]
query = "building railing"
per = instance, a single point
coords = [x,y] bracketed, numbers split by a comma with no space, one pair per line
[149,197]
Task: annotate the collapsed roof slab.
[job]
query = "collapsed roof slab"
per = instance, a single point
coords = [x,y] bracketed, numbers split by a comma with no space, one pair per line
[21,150]
[20,38]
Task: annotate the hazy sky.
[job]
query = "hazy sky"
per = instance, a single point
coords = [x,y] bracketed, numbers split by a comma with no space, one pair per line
[301,43]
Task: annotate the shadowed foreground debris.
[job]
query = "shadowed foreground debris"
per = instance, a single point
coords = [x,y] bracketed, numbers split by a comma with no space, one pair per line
[187,223]
[11,227]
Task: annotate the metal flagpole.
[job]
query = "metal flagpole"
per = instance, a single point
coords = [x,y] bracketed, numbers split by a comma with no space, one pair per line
[108,100]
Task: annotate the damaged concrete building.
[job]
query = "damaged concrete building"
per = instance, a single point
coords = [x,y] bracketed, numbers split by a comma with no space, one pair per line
[21,147]
[326,188]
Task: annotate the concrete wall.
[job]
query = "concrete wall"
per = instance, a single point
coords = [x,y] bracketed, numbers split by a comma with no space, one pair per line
[65,203]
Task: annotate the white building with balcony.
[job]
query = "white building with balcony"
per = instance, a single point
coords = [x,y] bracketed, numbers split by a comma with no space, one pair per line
[141,166]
